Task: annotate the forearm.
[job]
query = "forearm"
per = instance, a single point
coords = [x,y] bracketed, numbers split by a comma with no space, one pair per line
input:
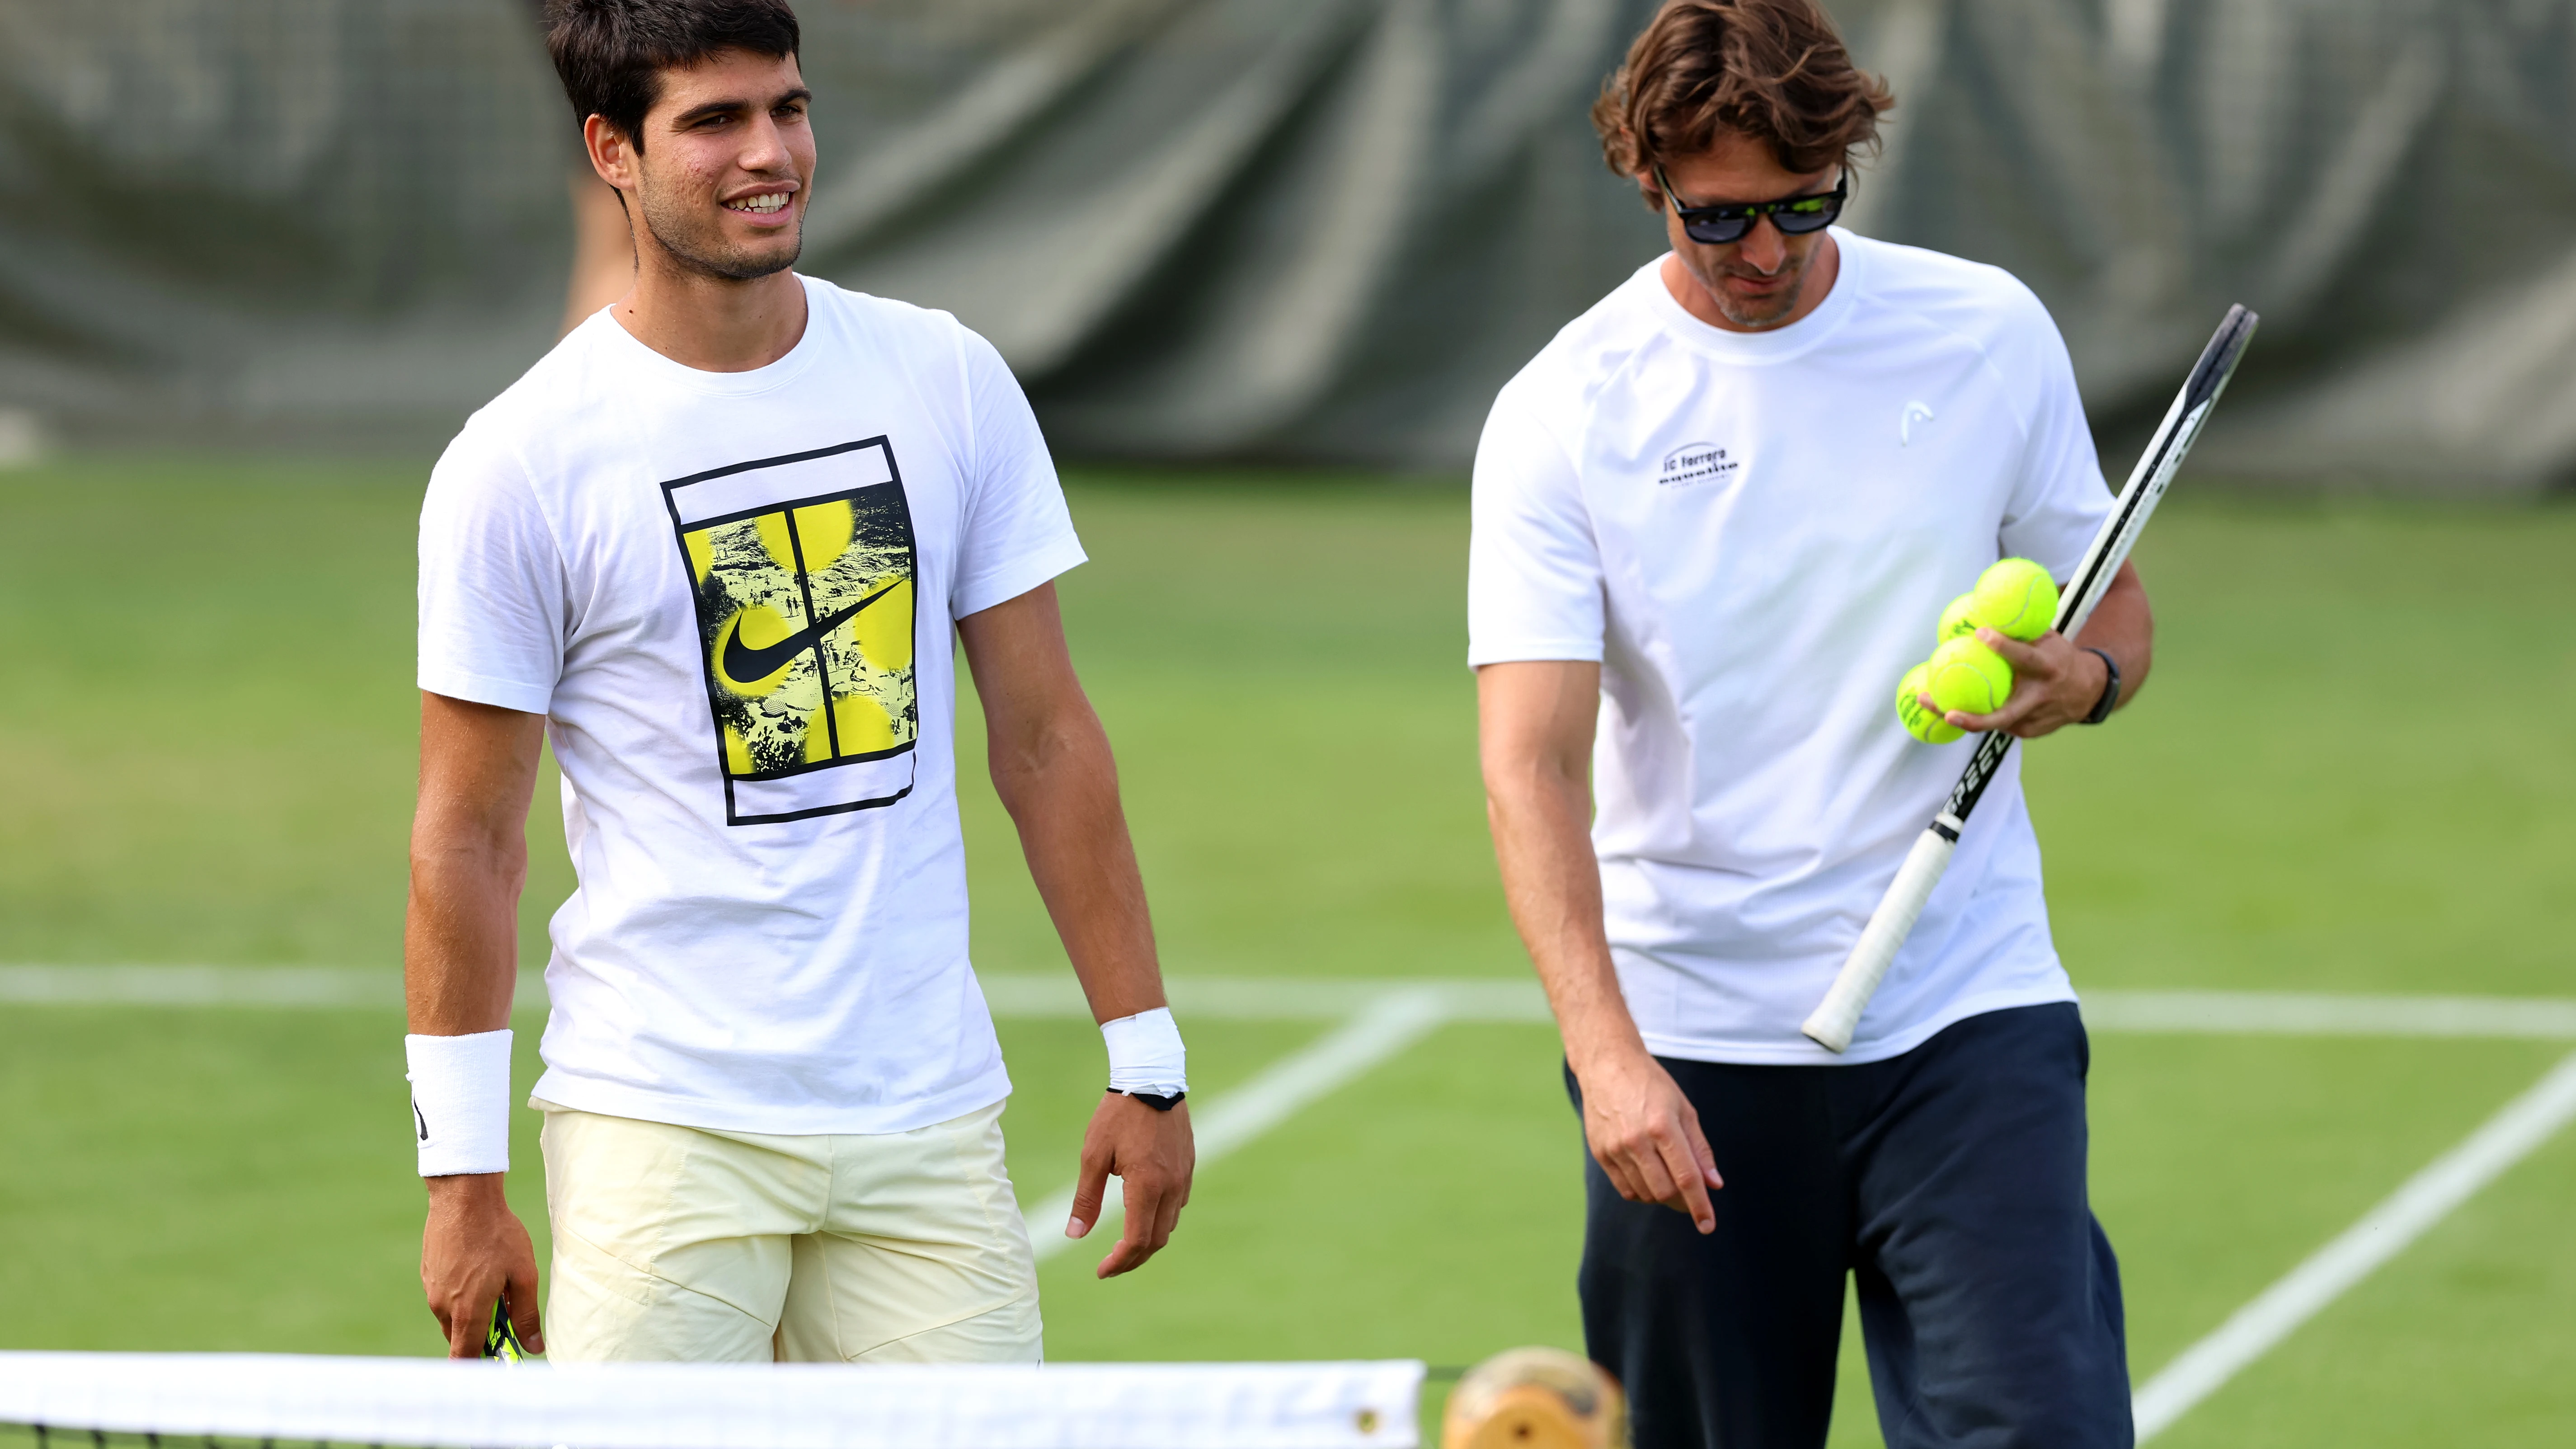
[1535,744]
[469,861]
[2123,626]
[1060,784]
[1552,883]
[460,931]
[460,944]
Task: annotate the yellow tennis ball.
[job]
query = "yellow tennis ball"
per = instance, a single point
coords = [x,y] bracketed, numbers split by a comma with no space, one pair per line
[1919,722]
[2016,598]
[1968,677]
[1957,620]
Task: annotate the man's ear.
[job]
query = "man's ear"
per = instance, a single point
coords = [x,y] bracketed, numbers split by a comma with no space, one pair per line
[612,151]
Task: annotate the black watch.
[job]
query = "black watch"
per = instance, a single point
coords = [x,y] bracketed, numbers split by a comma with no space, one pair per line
[1155,1100]
[2110,699]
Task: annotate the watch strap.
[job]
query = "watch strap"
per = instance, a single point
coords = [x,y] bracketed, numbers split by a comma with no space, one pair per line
[2110,699]
[1155,1100]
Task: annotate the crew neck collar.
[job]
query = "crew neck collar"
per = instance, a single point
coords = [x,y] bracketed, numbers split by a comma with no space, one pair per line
[723,384]
[1780,343]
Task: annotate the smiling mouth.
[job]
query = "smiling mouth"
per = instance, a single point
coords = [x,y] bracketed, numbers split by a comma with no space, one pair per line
[766,204]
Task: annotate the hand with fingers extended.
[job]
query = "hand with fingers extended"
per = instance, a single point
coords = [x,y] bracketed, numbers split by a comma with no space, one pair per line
[1646,1136]
[473,1251]
[2056,683]
[1152,1155]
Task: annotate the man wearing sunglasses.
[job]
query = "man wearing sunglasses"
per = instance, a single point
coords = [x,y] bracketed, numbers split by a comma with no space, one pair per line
[1715,520]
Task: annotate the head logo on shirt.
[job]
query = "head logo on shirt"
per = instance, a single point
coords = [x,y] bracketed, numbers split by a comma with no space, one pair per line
[802,568]
[1915,412]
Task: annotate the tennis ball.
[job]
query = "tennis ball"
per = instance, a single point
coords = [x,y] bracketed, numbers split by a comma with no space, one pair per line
[2016,598]
[1919,722]
[1534,1398]
[1968,677]
[1958,620]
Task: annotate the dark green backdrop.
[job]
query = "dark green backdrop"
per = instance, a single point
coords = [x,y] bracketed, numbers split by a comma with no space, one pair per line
[1319,230]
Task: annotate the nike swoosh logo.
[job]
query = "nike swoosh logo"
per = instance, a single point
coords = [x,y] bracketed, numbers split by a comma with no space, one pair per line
[423,1121]
[742,664]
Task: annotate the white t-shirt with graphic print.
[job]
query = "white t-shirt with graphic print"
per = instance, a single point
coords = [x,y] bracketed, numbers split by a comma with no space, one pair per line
[731,595]
[1753,534]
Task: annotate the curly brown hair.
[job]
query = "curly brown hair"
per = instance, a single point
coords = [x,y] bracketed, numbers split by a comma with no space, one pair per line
[1774,70]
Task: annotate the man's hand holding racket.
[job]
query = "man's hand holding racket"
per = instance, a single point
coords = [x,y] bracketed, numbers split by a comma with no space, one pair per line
[474,1254]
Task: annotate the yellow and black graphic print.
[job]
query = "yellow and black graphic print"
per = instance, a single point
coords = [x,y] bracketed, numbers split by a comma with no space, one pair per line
[806,623]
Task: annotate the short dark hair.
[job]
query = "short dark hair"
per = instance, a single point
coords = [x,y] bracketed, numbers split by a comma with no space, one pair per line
[611,53]
[1774,70]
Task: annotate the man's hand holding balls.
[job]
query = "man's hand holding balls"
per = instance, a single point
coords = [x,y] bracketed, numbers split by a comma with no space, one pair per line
[1998,664]
[2054,684]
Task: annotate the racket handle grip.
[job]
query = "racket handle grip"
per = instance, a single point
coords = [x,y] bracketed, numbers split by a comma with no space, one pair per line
[1838,1016]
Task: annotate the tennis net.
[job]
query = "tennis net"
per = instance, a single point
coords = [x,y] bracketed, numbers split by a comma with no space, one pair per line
[67,1400]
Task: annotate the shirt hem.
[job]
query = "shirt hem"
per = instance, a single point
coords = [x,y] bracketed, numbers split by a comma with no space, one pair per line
[611,1099]
[1009,581]
[483,689]
[1805,1053]
[1574,651]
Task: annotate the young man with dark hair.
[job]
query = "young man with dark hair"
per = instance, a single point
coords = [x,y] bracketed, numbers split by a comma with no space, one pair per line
[714,546]
[1714,522]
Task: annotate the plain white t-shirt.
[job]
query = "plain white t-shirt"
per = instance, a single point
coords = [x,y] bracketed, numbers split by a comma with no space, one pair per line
[731,595]
[1753,534]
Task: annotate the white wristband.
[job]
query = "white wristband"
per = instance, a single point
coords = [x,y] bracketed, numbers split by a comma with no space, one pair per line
[1146,1055]
[460,1101]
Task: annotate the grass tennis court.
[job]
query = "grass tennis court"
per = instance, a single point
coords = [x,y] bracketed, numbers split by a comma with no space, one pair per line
[2352,772]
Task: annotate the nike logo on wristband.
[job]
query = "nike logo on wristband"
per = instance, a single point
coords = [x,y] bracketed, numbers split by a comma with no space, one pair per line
[423,1121]
[744,664]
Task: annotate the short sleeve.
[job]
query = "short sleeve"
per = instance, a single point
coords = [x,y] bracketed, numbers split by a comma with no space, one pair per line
[1017,533]
[2060,500]
[491,584]
[1534,587]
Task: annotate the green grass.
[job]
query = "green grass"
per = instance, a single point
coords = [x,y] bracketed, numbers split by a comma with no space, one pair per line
[2350,772]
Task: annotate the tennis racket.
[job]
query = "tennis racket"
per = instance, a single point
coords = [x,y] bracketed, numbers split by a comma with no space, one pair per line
[1838,1016]
[501,1339]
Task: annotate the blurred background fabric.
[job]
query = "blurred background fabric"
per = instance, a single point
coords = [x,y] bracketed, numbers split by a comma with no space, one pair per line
[1322,231]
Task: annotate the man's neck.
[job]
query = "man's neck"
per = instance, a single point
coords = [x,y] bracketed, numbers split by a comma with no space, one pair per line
[714,324]
[1687,289]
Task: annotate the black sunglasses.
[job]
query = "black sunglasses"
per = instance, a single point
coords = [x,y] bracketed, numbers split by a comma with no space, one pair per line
[1729,221]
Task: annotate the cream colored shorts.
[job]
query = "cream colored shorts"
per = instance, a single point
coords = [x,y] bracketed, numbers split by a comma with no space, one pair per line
[687,1244]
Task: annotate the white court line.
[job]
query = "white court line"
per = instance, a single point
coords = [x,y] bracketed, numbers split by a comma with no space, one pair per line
[331,987]
[198,986]
[1056,995]
[2283,1013]
[2382,1233]
[1275,998]
[1389,1024]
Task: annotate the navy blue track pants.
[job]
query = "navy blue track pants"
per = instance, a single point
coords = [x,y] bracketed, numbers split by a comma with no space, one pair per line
[1948,1181]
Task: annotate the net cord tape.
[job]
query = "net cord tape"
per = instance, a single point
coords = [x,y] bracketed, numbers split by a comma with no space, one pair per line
[390,1401]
